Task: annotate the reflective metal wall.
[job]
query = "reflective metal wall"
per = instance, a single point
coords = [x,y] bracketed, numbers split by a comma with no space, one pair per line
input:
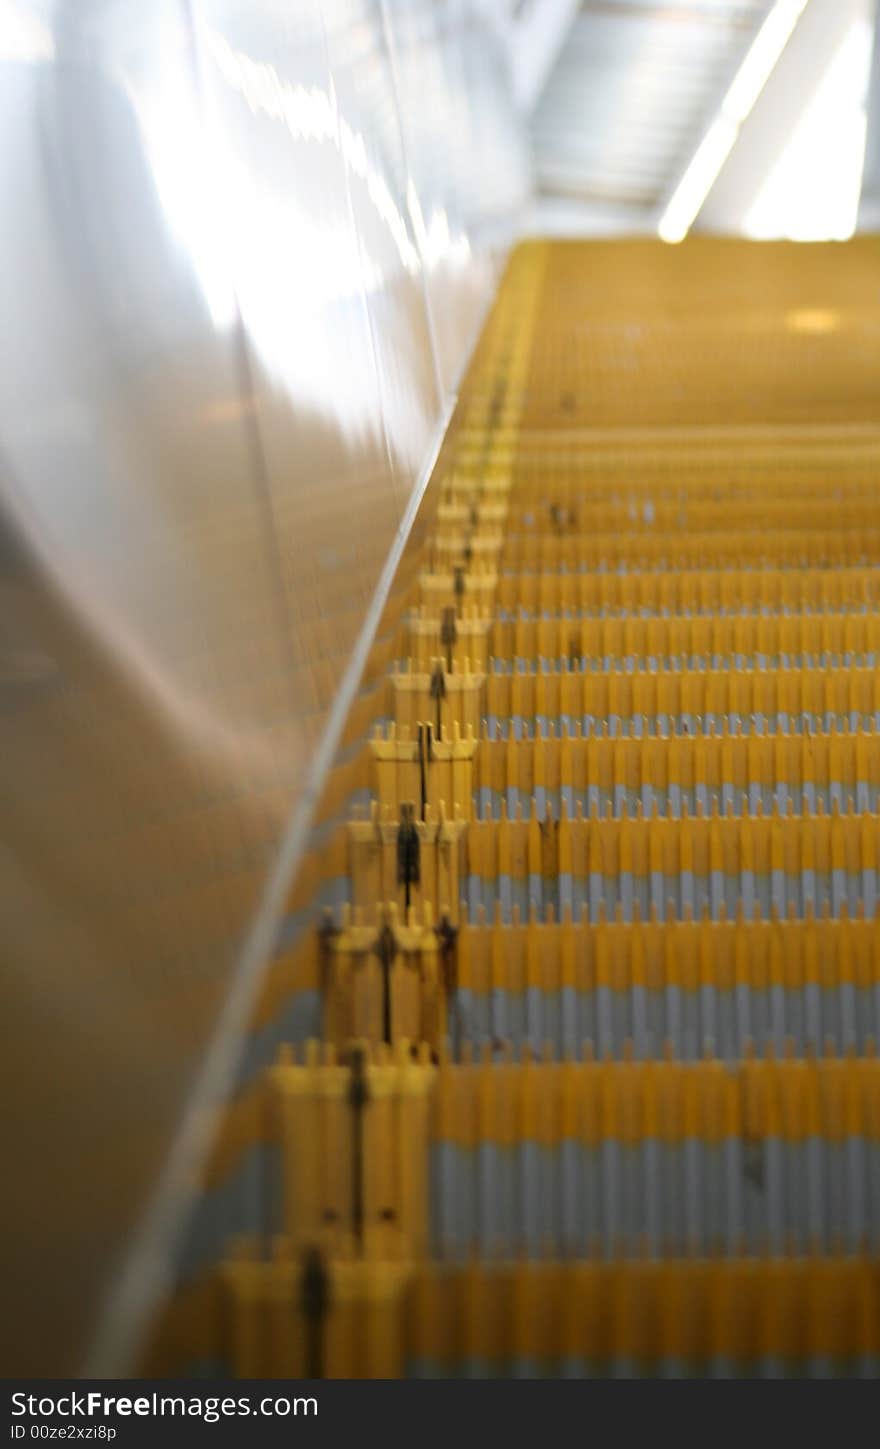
[244,248]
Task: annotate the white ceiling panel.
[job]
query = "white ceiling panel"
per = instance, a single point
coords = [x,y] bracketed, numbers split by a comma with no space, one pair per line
[634,87]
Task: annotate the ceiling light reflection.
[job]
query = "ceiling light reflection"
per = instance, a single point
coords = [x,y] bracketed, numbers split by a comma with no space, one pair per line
[261,248]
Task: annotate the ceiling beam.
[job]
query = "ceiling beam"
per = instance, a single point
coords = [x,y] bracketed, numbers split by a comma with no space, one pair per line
[869,206]
[535,32]
[769,126]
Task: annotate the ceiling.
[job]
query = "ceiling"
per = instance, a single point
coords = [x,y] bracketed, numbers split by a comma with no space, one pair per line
[633,89]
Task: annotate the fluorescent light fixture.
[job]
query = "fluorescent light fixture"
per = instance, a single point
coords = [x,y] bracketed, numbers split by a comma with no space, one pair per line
[721,136]
[812,193]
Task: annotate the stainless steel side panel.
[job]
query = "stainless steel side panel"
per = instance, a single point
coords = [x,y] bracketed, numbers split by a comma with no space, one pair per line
[243,248]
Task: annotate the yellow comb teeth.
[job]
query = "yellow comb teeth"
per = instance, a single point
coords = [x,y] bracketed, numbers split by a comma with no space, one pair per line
[598,983]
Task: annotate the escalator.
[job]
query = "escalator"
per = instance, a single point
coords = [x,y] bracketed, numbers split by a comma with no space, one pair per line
[566,1062]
